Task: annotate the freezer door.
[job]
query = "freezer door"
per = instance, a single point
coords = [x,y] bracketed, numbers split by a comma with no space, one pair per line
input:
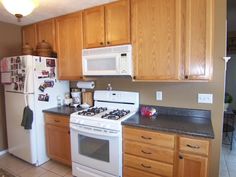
[21,142]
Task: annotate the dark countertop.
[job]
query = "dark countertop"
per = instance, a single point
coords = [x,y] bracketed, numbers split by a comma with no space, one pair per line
[63,110]
[176,120]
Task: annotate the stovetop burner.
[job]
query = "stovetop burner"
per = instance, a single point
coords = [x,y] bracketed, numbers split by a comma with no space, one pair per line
[115,114]
[92,111]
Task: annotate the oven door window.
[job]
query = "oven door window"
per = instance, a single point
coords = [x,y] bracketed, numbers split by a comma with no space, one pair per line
[94,148]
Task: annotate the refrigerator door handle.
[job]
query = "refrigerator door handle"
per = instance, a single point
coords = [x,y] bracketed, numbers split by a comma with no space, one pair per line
[25,87]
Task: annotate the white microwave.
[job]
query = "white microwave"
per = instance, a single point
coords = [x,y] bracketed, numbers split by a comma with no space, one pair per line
[107,61]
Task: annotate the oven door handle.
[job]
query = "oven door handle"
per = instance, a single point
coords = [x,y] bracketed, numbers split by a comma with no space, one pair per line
[93,131]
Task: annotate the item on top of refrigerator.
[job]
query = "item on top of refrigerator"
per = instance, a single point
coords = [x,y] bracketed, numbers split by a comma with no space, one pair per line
[44,49]
[149,112]
[27,49]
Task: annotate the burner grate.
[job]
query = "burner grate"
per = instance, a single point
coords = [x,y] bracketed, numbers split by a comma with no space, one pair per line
[115,114]
[92,111]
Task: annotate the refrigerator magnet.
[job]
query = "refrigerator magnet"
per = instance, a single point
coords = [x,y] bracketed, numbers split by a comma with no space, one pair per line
[46,98]
[41,97]
[41,88]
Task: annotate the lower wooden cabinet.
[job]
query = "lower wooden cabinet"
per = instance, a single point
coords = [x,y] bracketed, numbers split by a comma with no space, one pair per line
[58,138]
[182,156]
[192,165]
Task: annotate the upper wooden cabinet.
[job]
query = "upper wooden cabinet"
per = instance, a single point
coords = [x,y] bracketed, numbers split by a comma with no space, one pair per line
[156,39]
[29,35]
[69,46]
[198,38]
[93,24]
[172,39]
[46,31]
[117,24]
[107,25]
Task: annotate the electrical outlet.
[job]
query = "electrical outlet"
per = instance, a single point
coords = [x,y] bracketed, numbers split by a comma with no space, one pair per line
[205,98]
[159,95]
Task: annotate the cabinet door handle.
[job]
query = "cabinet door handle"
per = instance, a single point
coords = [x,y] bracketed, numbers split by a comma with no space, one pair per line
[145,152]
[101,43]
[145,166]
[108,42]
[69,132]
[56,120]
[186,76]
[146,138]
[193,147]
[181,157]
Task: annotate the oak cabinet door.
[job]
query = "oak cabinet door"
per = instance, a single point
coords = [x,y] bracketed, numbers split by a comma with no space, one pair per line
[58,143]
[117,22]
[192,166]
[93,25]
[46,32]
[156,39]
[69,46]
[198,33]
[29,35]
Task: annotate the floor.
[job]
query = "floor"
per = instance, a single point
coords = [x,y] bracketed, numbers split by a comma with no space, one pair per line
[20,168]
[228,159]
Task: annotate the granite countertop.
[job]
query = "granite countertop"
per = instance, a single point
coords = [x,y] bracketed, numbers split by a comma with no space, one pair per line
[63,110]
[176,120]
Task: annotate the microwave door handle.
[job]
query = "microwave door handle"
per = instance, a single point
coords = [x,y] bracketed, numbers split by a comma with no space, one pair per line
[93,132]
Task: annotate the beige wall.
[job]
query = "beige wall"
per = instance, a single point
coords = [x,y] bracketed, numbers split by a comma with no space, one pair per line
[185,94]
[10,45]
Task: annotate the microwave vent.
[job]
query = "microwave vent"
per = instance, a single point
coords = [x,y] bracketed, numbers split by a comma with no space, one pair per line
[107,50]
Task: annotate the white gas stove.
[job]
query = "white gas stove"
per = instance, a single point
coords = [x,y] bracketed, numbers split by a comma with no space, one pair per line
[96,134]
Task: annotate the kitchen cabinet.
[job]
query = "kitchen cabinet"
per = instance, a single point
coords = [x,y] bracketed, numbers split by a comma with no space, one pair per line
[46,32]
[193,157]
[58,138]
[93,25]
[198,34]
[147,153]
[172,40]
[29,35]
[156,39]
[152,153]
[69,46]
[107,25]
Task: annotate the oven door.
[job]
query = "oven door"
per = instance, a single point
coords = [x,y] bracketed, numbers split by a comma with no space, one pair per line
[96,149]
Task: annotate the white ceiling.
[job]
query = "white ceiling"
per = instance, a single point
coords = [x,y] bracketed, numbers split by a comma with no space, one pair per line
[50,8]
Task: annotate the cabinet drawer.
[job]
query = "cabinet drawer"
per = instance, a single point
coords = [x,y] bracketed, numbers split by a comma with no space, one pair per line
[149,166]
[194,145]
[58,120]
[149,151]
[131,172]
[150,137]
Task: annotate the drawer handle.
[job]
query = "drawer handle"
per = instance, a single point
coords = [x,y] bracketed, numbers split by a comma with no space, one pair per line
[193,147]
[145,152]
[56,120]
[146,138]
[145,166]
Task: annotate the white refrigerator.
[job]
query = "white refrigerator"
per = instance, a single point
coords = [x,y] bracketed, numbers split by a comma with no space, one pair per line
[32,81]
